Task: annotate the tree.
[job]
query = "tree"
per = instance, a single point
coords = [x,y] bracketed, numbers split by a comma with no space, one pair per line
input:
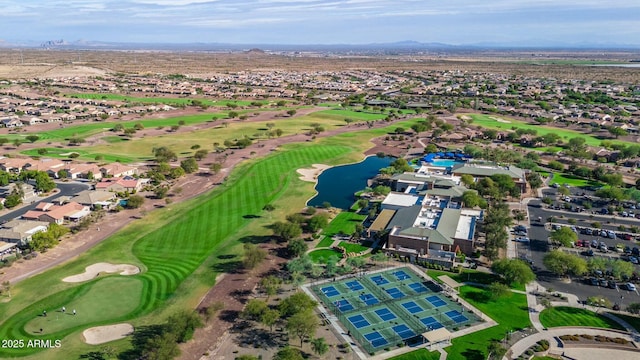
[534,180]
[6,287]
[13,199]
[621,269]
[134,201]
[513,271]
[164,154]
[200,154]
[270,317]
[564,236]
[138,126]
[471,199]
[634,308]
[183,324]
[162,346]
[317,222]
[467,180]
[617,131]
[3,141]
[44,182]
[253,255]
[288,353]
[270,285]
[291,112]
[302,325]
[296,303]
[254,309]
[215,168]
[189,165]
[319,346]
[118,128]
[499,290]
[562,264]
[297,247]
[287,230]
[496,350]
[32,138]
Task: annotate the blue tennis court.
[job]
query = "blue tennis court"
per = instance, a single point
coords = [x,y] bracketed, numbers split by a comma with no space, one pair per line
[330,291]
[456,316]
[412,307]
[379,280]
[431,323]
[403,331]
[401,275]
[369,299]
[417,287]
[354,285]
[343,305]
[376,339]
[395,293]
[436,301]
[359,321]
[385,314]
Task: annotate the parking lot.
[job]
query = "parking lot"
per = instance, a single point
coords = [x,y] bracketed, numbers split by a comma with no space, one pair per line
[593,284]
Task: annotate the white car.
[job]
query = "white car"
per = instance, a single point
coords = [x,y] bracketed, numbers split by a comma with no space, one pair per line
[522,239]
[631,287]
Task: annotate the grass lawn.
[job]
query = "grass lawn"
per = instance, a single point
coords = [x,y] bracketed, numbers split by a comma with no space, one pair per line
[344,222]
[632,320]
[469,275]
[325,242]
[84,154]
[569,316]
[509,312]
[322,255]
[419,355]
[353,248]
[177,249]
[574,181]
[489,121]
[543,173]
[355,115]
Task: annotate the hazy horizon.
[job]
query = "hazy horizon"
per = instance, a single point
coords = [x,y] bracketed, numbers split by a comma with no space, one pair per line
[302,22]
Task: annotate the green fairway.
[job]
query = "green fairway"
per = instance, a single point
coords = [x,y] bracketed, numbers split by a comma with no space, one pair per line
[568,179]
[511,313]
[634,321]
[355,115]
[506,123]
[181,247]
[321,256]
[110,298]
[84,154]
[569,316]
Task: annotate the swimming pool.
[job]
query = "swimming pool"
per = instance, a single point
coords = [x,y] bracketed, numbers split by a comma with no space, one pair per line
[446,163]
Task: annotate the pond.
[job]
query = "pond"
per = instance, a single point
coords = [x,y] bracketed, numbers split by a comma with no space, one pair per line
[338,184]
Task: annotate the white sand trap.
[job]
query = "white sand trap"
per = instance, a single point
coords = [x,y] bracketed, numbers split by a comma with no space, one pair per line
[103,334]
[465,117]
[94,270]
[312,174]
[68,153]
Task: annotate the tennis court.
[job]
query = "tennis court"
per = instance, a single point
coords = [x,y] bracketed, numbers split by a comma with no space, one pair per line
[391,307]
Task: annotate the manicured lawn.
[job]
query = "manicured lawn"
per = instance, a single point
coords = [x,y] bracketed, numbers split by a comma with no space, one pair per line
[509,312]
[574,181]
[177,248]
[469,275]
[344,222]
[322,255]
[634,321]
[84,154]
[543,173]
[568,316]
[353,248]
[355,115]
[489,121]
[325,242]
[419,355]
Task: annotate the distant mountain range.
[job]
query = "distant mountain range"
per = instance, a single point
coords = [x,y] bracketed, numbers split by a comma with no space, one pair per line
[400,46]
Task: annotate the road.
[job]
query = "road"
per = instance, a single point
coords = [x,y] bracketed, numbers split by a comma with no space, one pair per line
[66,189]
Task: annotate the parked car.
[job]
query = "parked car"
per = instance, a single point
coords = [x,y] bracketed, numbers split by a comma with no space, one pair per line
[631,287]
[604,283]
[593,281]
[633,260]
[612,284]
[635,251]
[522,239]
[588,231]
[589,253]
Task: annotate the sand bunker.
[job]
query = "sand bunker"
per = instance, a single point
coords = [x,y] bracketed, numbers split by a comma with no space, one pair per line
[94,270]
[312,174]
[103,334]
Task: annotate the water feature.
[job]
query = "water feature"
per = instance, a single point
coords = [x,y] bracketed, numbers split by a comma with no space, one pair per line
[446,163]
[338,184]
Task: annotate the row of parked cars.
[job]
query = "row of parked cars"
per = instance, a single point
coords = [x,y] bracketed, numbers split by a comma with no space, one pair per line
[611,284]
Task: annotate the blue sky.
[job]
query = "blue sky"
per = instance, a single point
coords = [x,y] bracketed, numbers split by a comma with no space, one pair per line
[521,22]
